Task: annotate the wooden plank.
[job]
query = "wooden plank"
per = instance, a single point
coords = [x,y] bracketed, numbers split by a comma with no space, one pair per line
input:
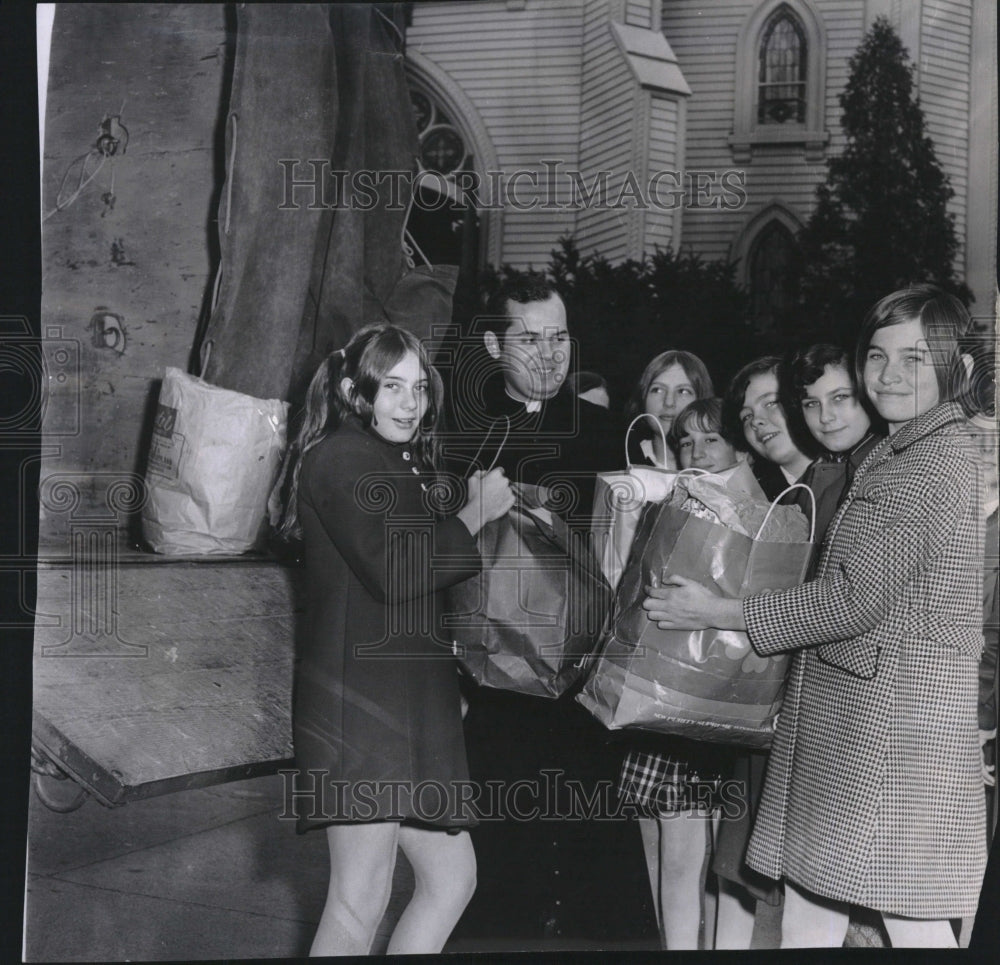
[209,699]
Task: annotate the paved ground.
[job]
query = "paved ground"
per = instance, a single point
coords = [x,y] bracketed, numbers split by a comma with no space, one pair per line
[209,873]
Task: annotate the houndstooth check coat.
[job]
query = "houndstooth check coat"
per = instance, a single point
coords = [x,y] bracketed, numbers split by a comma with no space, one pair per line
[873,792]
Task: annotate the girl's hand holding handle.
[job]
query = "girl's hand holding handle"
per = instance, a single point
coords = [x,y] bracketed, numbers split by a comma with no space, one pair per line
[490,497]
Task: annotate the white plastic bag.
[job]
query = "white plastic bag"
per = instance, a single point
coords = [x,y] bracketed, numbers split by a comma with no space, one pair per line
[212,462]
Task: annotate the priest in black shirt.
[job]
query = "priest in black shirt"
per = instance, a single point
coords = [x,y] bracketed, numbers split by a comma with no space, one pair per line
[557,873]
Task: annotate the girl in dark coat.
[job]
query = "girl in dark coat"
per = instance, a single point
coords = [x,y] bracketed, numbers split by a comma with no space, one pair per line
[377,720]
[873,793]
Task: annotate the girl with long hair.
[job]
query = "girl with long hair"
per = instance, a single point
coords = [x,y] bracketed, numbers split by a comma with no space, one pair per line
[674,783]
[669,382]
[873,794]
[377,721]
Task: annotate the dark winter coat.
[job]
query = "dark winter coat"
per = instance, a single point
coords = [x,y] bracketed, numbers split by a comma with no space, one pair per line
[376,710]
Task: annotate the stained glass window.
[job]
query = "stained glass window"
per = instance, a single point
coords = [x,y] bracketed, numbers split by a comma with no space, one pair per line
[442,149]
[781,79]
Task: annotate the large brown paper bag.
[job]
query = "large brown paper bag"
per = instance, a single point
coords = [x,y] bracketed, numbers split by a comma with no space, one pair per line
[212,462]
[703,684]
[537,608]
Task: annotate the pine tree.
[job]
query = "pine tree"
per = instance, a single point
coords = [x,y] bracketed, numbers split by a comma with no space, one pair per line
[881,219]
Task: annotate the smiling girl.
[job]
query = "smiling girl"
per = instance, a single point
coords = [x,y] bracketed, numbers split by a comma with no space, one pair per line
[668,383]
[376,712]
[873,793]
[674,783]
[825,404]
[754,419]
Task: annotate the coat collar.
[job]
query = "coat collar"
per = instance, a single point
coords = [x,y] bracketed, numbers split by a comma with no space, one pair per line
[945,414]
[352,423]
[860,452]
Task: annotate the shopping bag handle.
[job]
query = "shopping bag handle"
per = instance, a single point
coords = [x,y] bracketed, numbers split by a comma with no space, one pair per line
[628,432]
[482,445]
[779,497]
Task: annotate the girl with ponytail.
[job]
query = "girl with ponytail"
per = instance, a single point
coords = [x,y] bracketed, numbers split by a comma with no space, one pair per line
[379,748]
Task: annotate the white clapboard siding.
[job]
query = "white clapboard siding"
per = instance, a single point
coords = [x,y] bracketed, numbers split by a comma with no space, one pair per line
[945,82]
[660,222]
[607,131]
[639,13]
[548,82]
[705,43]
[521,70]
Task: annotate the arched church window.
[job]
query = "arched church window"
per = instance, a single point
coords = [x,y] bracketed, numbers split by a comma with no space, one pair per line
[780,92]
[783,70]
[769,275]
[442,149]
[444,225]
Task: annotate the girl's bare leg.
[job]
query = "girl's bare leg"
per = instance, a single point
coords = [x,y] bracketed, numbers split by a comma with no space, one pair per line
[735,917]
[675,849]
[810,921]
[919,933]
[444,870]
[362,857]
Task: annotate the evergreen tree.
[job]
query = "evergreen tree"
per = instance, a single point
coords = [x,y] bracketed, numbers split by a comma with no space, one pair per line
[880,220]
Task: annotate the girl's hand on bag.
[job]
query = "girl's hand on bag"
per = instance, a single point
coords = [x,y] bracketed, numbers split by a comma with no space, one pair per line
[490,497]
[683,604]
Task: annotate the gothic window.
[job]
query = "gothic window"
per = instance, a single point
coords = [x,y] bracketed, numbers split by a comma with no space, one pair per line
[771,298]
[445,229]
[782,72]
[442,149]
[780,92]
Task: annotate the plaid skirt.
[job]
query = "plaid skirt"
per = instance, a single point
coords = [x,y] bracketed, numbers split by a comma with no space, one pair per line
[664,780]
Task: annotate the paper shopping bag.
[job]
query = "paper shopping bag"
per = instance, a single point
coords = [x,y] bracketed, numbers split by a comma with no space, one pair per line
[702,684]
[537,607]
[212,462]
[618,501]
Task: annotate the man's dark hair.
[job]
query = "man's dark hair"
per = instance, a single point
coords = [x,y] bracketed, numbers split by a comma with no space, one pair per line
[521,287]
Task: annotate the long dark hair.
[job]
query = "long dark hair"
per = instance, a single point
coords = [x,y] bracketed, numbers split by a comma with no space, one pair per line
[365,360]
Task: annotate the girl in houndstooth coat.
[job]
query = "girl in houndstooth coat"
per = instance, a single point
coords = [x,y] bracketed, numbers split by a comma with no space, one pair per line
[873,794]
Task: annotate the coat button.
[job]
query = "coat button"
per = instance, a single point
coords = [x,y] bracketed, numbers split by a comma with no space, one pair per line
[406,456]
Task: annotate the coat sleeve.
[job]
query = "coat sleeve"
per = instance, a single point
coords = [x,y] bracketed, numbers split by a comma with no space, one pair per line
[991,630]
[910,525]
[353,496]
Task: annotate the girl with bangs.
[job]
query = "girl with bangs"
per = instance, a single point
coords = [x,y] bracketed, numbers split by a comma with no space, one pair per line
[676,784]
[671,381]
[873,793]
[377,720]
